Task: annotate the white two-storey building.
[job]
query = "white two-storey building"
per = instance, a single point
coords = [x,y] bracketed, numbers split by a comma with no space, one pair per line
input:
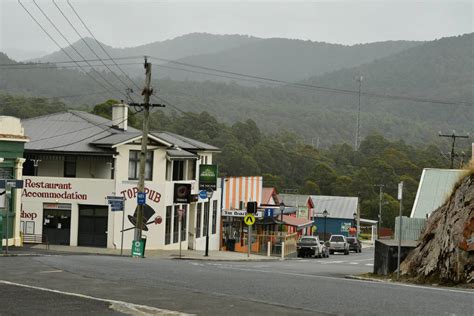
[74,160]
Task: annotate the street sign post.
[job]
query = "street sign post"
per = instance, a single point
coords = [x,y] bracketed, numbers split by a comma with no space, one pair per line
[203,194]
[208,177]
[12,183]
[400,197]
[249,219]
[117,204]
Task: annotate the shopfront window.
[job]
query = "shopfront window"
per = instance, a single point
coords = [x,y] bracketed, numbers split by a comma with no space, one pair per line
[168,226]
[175,224]
[206,219]
[198,220]
[214,217]
[178,170]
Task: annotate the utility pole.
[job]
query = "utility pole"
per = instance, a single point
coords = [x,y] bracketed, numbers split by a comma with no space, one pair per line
[356,144]
[147,92]
[380,208]
[453,136]
[400,198]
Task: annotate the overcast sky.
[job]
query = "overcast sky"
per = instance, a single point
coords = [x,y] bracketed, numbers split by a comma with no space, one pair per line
[129,23]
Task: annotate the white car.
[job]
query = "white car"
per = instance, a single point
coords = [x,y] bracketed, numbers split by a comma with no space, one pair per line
[338,243]
[309,246]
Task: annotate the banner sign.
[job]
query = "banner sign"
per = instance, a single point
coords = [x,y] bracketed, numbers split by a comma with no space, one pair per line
[239,213]
[207,177]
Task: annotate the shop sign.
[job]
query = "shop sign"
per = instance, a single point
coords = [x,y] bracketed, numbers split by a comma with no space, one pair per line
[345,227]
[239,213]
[207,177]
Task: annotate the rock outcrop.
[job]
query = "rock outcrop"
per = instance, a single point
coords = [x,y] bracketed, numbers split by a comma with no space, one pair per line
[445,253]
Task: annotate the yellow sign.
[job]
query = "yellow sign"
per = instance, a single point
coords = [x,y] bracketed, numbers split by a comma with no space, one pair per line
[249,219]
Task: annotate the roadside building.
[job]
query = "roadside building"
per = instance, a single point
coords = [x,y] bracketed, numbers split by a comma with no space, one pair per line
[341,214]
[76,159]
[302,204]
[12,142]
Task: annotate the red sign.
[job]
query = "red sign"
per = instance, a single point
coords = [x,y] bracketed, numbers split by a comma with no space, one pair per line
[158,220]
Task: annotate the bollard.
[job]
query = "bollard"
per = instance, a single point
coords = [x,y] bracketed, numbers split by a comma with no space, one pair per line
[269,249]
[283,250]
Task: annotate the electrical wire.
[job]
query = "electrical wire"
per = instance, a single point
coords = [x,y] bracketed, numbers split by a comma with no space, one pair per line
[70,44]
[53,66]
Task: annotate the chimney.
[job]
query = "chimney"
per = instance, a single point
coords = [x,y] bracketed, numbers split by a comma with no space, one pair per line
[120,116]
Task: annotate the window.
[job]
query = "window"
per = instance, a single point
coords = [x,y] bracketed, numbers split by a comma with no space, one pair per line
[206,219]
[214,217]
[191,170]
[168,226]
[70,166]
[178,170]
[183,222]
[198,220]
[134,165]
[175,224]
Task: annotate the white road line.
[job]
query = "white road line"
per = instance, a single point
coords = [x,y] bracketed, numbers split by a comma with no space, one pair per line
[51,271]
[353,262]
[470,292]
[369,264]
[120,306]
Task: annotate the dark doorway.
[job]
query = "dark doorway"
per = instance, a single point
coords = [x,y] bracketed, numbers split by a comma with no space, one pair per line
[57,223]
[93,225]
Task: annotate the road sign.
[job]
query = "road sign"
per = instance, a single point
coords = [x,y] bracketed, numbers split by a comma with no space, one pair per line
[268,212]
[138,247]
[158,220]
[249,219]
[203,194]
[12,183]
[116,203]
[141,198]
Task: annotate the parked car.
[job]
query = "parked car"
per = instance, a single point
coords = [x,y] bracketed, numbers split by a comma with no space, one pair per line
[309,246]
[338,243]
[354,244]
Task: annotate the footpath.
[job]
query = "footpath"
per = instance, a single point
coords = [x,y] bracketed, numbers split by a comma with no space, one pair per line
[39,250]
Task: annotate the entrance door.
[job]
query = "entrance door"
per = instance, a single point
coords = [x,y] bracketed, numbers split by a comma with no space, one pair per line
[93,225]
[57,225]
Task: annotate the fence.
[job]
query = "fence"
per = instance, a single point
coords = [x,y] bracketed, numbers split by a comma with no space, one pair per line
[411,227]
[270,244]
[34,239]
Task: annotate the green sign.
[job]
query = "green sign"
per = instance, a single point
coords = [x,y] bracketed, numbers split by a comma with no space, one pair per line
[208,177]
[138,248]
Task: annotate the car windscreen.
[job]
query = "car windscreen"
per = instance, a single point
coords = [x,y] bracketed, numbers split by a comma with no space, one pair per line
[306,240]
[337,239]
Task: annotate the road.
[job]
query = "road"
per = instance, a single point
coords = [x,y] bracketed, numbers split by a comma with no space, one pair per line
[292,287]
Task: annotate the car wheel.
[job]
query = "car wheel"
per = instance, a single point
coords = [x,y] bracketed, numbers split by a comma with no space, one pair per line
[346,252]
[331,252]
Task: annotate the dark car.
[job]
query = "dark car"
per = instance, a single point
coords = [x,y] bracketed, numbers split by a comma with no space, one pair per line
[354,244]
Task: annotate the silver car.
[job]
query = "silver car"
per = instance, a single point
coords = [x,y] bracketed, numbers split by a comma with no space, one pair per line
[338,243]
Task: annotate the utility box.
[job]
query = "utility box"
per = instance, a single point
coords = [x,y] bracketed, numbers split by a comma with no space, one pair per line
[386,254]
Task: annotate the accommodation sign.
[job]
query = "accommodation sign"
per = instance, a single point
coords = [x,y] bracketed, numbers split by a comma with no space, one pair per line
[51,190]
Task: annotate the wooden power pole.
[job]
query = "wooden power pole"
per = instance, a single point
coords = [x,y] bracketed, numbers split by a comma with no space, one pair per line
[453,136]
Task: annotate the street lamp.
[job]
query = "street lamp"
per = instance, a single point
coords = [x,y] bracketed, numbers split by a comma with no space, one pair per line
[210,192]
[325,214]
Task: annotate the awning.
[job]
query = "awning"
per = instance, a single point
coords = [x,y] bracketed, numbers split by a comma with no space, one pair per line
[180,154]
[299,223]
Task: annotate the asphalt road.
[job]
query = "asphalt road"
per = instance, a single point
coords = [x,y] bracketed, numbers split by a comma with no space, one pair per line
[293,287]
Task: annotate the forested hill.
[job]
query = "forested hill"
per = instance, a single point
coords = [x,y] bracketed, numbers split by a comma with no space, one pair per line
[441,69]
[281,58]
[176,48]
[286,59]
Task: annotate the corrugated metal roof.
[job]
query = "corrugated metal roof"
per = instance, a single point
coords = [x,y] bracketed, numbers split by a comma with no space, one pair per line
[435,187]
[299,200]
[183,142]
[178,153]
[337,206]
[77,131]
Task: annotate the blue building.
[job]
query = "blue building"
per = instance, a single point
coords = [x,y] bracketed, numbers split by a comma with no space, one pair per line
[334,214]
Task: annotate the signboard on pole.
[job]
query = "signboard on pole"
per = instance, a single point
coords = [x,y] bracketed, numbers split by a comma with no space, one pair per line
[400,190]
[141,198]
[12,183]
[116,203]
[182,193]
[208,177]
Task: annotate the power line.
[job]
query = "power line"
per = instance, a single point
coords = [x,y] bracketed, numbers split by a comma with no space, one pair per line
[60,47]
[54,97]
[67,62]
[100,45]
[87,44]
[70,44]
[328,89]
[52,66]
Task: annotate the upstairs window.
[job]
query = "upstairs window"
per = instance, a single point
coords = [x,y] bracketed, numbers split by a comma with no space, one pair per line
[134,165]
[178,170]
[70,166]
